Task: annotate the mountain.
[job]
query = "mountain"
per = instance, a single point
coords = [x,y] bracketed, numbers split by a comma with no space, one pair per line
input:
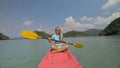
[3,37]
[92,32]
[42,33]
[112,29]
[73,34]
[89,32]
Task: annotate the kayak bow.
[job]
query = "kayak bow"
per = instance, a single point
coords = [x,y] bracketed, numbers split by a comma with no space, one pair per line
[59,60]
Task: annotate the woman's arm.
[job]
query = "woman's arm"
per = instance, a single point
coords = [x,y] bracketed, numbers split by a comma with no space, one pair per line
[64,41]
[49,40]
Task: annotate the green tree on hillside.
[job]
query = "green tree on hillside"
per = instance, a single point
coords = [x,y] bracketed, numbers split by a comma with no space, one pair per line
[112,29]
[3,37]
[42,33]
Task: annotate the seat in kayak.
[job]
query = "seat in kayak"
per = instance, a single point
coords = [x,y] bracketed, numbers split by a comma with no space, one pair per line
[59,60]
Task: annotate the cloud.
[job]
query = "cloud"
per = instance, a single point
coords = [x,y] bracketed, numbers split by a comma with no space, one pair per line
[27,22]
[84,18]
[101,22]
[70,24]
[39,30]
[88,23]
[109,4]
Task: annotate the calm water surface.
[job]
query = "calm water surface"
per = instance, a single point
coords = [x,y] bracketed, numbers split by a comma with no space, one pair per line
[97,52]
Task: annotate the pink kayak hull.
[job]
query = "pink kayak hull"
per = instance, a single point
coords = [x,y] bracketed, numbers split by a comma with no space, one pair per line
[59,60]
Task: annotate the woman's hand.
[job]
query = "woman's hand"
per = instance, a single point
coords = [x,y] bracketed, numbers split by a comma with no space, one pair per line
[65,42]
[49,40]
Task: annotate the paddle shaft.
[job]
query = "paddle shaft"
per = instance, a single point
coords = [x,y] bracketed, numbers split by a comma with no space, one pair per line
[61,41]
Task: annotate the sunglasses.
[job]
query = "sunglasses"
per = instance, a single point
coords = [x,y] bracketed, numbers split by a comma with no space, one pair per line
[58,30]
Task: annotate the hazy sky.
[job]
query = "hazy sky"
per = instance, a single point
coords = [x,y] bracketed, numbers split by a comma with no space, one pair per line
[80,15]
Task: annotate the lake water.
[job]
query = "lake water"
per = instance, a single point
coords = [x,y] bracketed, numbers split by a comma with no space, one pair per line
[97,52]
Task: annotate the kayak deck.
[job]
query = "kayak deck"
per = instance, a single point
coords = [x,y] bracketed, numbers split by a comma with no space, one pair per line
[59,60]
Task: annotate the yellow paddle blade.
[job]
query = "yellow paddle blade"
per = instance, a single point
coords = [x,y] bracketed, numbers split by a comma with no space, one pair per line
[77,45]
[29,34]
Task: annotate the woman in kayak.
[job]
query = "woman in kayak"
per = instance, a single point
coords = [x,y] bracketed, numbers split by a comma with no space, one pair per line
[58,46]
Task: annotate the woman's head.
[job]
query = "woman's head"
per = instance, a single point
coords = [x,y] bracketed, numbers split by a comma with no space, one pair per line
[58,30]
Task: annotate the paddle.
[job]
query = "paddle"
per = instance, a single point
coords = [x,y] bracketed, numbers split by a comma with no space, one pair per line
[29,34]
[32,35]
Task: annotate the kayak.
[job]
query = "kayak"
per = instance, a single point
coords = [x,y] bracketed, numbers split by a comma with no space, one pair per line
[59,60]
